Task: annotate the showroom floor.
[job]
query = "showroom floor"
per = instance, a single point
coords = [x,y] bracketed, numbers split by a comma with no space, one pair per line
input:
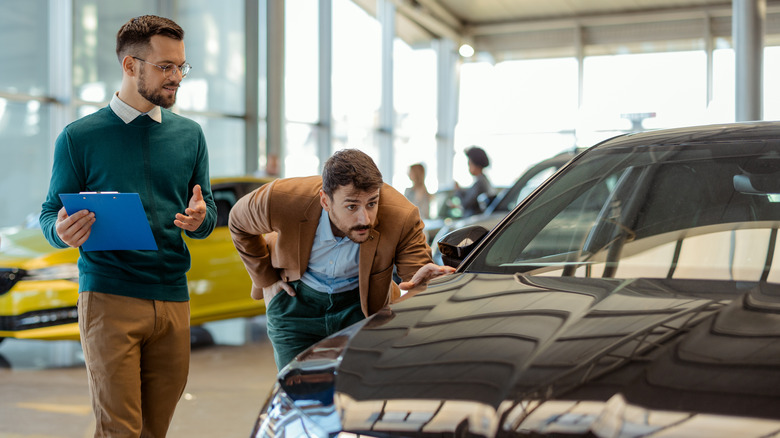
[44,388]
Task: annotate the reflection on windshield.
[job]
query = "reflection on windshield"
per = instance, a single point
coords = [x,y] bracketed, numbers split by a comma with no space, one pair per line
[658,212]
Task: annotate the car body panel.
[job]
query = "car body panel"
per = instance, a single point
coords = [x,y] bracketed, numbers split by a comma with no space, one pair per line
[528,343]
[218,282]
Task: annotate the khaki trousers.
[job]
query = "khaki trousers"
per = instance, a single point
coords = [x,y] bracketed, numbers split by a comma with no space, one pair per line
[137,354]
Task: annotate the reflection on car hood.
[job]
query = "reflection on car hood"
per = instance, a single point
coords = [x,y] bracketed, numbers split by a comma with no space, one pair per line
[497,350]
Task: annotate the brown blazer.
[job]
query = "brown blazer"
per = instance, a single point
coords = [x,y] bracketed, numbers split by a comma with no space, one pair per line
[273,230]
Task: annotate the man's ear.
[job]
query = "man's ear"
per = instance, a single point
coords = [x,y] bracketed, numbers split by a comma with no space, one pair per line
[128,65]
[324,201]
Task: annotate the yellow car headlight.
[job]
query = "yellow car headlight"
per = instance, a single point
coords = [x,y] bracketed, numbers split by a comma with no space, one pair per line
[9,277]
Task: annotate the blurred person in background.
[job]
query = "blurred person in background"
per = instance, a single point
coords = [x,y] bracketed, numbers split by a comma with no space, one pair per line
[418,193]
[469,198]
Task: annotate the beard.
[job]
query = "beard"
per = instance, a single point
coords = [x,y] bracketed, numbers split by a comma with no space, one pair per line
[155,96]
[359,239]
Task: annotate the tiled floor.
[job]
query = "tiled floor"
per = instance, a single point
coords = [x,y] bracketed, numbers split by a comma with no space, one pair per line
[44,387]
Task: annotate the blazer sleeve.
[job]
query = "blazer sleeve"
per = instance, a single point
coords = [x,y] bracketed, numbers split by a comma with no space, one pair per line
[412,251]
[248,223]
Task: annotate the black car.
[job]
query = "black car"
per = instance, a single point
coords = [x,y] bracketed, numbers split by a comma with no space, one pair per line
[633,294]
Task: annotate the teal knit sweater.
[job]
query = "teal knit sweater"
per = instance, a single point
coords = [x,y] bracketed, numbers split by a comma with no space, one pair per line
[161,162]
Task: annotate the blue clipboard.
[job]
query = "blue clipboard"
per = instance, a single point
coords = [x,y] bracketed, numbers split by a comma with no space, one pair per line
[120,220]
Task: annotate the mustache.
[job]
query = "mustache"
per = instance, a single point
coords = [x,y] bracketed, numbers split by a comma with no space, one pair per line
[360,228]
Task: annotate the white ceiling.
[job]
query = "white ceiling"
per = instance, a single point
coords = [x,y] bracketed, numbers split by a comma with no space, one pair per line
[520,28]
[482,12]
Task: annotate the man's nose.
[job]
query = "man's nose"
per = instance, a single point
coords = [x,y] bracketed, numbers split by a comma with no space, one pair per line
[362,216]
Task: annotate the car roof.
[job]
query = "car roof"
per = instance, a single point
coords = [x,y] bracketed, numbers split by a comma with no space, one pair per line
[695,134]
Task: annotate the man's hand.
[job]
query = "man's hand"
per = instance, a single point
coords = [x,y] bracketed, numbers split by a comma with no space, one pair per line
[194,214]
[271,291]
[74,230]
[424,275]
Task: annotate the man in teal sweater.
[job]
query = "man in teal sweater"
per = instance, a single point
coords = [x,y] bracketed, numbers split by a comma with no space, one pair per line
[134,304]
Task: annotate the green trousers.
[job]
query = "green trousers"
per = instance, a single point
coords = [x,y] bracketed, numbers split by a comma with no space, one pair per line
[296,323]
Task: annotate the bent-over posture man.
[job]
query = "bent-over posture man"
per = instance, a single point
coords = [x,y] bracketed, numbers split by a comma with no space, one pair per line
[331,245]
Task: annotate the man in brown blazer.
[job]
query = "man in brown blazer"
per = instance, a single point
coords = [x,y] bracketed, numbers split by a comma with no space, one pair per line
[331,244]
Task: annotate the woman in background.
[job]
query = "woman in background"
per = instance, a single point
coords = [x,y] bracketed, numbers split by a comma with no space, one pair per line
[469,198]
[418,193]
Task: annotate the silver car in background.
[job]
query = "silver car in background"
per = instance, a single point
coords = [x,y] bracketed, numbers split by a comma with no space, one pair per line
[506,200]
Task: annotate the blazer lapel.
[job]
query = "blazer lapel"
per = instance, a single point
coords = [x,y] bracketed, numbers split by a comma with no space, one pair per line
[367,252]
[307,229]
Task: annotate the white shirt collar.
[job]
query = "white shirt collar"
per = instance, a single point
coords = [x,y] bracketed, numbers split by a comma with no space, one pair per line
[128,113]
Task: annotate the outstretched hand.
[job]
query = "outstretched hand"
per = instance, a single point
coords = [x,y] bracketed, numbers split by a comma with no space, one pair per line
[194,214]
[424,275]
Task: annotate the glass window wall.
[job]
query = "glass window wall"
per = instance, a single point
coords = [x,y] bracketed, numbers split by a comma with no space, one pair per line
[214,37]
[26,163]
[414,101]
[519,112]
[301,88]
[302,68]
[357,76]
[24,35]
[25,114]
[57,69]
[97,72]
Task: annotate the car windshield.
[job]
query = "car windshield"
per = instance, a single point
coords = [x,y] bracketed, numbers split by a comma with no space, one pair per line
[685,212]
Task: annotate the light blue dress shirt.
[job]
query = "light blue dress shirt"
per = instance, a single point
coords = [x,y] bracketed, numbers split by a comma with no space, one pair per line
[334,261]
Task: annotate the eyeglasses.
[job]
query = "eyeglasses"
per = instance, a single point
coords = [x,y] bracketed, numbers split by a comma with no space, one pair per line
[169,69]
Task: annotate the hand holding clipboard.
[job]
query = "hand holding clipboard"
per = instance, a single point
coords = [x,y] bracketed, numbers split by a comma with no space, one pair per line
[119,220]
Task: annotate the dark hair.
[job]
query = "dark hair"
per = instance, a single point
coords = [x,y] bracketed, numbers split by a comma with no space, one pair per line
[134,36]
[350,166]
[478,156]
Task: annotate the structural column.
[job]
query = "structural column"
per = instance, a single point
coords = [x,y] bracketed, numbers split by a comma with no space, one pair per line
[325,116]
[747,28]
[252,87]
[385,132]
[446,107]
[60,67]
[275,118]
[709,49]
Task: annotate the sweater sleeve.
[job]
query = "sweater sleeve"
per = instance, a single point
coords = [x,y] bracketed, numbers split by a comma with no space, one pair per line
[201,176]
[64,179]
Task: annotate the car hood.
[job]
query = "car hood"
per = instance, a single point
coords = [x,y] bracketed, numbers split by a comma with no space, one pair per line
[18,245]
[499,349]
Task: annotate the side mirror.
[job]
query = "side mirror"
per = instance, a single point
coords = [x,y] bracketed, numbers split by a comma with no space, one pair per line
[757,184]
[456,245]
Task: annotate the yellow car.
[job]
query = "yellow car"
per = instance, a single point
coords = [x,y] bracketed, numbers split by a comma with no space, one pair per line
[39,283]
